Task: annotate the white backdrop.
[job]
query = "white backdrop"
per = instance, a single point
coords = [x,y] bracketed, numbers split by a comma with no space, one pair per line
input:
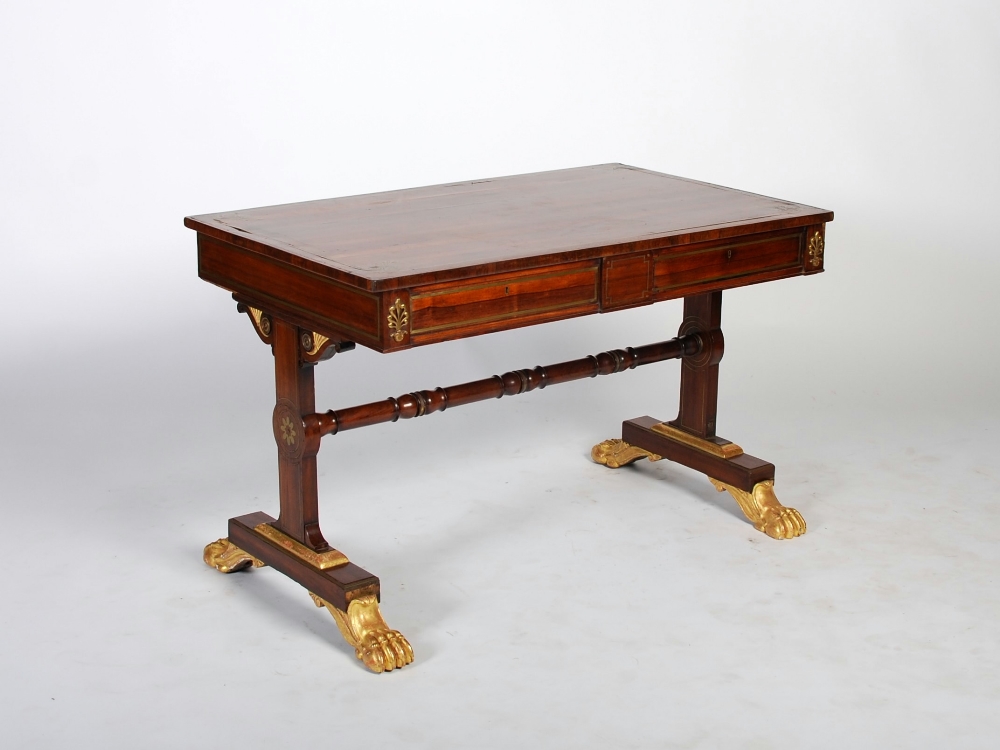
[136,399]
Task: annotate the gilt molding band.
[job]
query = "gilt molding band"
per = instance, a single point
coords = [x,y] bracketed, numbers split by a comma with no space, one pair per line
[724,450]
[322,560]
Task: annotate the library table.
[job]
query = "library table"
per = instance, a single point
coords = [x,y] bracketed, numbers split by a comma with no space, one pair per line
[414,267]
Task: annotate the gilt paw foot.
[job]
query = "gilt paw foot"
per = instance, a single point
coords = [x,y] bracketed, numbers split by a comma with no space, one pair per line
[362,625]
[764,511]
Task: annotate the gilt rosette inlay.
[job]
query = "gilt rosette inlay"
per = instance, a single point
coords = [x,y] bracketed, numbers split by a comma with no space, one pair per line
[288,431]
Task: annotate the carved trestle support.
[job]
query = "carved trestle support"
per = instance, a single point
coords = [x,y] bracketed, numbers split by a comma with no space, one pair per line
[363,627]
[226,557]
[381,648]
[760,506]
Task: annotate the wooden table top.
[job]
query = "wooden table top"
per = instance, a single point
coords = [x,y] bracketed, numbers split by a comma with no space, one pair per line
[403,238]
[414,267]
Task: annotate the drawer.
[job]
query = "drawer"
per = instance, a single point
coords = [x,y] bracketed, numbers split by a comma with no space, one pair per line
[627,281]
[489,303]
[730,261]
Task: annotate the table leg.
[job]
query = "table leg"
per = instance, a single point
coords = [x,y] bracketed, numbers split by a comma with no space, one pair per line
[293,543]
[691,440]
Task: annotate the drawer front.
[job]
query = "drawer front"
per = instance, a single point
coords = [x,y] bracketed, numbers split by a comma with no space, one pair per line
[490,303]
[678,271]
[627,281]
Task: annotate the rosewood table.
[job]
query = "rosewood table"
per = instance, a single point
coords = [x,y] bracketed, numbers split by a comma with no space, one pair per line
[412,267]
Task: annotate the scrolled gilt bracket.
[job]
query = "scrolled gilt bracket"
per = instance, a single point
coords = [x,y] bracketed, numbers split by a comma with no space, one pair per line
[616,453]
[762,508]
[261,321]
[316,347]
[313,346]
[226,557]
[363,627]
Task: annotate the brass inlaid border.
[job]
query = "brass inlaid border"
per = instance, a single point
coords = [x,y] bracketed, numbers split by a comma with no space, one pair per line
[592,271]
[774,268]
[322,560]
[506,279]
[726,450]
[607,297]
[728,246]
[505,316]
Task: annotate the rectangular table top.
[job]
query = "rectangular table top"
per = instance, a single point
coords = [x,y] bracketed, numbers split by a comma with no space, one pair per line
[411,267]
[383,241]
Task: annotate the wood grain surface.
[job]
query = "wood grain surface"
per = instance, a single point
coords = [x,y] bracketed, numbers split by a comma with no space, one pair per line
[403,238]
[412,267]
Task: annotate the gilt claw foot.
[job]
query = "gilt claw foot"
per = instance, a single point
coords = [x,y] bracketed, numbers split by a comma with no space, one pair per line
[362,625]
[764,511]
[226,557]
[616,453]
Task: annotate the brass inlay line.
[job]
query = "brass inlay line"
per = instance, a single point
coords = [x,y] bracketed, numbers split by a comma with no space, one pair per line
[591,269]
[730,277]
[727,450]
[322,560]
[730,246]
[505,316]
